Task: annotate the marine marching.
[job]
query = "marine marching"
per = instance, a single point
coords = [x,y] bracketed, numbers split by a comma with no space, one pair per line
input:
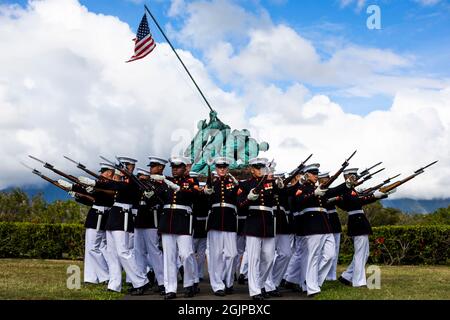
[272,230]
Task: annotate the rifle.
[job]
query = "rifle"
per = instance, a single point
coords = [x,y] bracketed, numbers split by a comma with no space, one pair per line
[83,167]
[55,183]
[366,171]
[52,168]
[372,189]
[367,177]
[209,176]
[67,176]
[296,171]
[400,182]
[260,185]
[338,173]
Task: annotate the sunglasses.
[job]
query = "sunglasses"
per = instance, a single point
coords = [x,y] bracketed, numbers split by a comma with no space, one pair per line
[221,166]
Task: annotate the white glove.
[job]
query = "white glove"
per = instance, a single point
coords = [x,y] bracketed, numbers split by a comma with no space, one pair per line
[378,194]
[235,181]
[392,191]
[157,177]
[72,194]
[65,184]
[320,192]
[331,200]
[172,185]
[148,194]
[208,191]
[89,189]
[252,196]
[87,181]
[279,183]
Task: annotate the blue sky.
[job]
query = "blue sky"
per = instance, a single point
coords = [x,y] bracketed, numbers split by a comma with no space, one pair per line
[415,29]
[305,76]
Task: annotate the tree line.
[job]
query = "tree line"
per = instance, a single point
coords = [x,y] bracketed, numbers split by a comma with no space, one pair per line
[17,206]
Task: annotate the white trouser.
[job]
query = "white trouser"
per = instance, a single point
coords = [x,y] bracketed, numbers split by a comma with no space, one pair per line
[240,246]
[147,252]
[260,252]
[244,263]
[283,253]
[294,268]
[327,255]
[131,247]
[200,255]
[170,243]
[356,272]
[313,250]
[221,253]
[122,257]
[95,262]
[337,242]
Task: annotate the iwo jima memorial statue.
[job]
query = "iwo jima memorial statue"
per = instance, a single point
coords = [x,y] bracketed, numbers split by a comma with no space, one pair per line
[216,139]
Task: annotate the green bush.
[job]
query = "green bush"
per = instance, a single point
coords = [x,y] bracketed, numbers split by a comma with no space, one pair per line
[393,245]
[404,245]
[45,241]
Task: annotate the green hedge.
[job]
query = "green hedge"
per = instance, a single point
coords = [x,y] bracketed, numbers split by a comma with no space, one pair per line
[45,241]
[392,245]
[404,245]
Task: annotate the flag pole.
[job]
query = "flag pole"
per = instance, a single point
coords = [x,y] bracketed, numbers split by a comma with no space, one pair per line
[181,61]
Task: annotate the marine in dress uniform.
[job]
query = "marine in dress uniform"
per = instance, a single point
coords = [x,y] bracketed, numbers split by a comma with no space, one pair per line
[96,268]
[176,229]
[222,228]
[146,238]
[259,227]
[199,213]
[295,272]
[335,224]
[119,226]
[358,227]
[312,224]
[283,239]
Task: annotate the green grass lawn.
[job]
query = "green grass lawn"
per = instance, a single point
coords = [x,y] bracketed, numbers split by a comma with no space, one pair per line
[397,283]
[46,279]
[32,279]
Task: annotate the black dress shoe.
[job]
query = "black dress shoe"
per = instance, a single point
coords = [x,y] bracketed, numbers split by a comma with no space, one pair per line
[151,277]
[344,281]
[161,290]
[181,271]
[241,279]
[219,293]
[145,289]
[196,288]
[265,294]
[229,290]
[293,286]
[282,283]
[258,297]
[170,295]
[274,293]
[189,292]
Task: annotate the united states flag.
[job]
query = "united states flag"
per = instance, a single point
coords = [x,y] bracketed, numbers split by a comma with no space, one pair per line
[144,43]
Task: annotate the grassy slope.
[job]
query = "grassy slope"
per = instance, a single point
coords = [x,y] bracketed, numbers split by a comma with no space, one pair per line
[46,279]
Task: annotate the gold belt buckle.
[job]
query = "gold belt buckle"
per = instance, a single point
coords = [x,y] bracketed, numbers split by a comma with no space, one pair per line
[222,204]
[173,206]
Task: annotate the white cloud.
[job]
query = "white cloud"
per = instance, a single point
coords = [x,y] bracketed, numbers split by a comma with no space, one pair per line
[359,3]
[73,94]
[412,133]
[67,90]
[428,2]
[249,48]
